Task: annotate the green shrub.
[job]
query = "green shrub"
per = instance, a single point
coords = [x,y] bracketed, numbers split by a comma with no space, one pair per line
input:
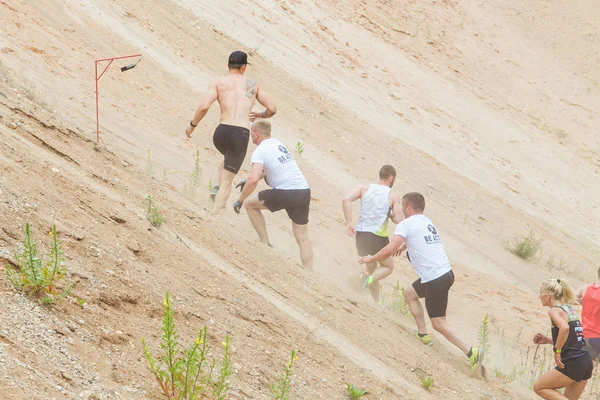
[188,374]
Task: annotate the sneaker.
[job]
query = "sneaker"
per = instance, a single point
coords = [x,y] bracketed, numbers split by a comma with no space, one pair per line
[426,340]
[366,280]
[476,359]
[213,192]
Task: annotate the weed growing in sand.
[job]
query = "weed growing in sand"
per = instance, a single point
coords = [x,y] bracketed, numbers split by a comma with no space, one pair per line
[149,166]
[282,388]
[399,303]
[526,247]
[427,382]
[164,177]
[80,301]
[484,335]
[154,216]
[515,374]
[34,277]
[188,373]
[556,265]
[299,148]
[194,179]
[355,392]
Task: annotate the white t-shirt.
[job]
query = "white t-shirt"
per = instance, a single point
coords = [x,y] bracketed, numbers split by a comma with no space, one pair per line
[280,168]
[427,254]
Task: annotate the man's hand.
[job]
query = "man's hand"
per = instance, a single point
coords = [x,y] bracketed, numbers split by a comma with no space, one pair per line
[236,206]
[241,185]
[558,361]
[188,131]
[350,231]
[255,115]
[365,260]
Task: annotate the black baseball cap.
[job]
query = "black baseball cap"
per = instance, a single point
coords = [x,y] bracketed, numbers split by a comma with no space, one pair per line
[238,58]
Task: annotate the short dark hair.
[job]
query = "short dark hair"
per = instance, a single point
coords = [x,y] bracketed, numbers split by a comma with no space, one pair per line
[415,200]
[386,171]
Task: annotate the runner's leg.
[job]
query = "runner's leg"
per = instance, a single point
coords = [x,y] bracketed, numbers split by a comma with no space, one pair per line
[574,390]
[253,206]
[373,286]
[386,267]
[306,252]
[546,385]
[224,190]
[440,324]
[416,309]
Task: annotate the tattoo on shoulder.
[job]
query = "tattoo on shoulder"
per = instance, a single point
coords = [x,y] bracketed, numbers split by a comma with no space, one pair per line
[250,87]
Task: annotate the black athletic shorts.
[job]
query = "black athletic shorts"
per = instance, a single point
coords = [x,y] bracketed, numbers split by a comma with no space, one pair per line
[593,345]
[435,293]
[579,369]
[295,202]
[232,142]
[369,244]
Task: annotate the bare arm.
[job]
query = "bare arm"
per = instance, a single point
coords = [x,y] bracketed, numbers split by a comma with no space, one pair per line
[265,100]
[203,108]
[347,208]
[256,174]
[580,294]
[384,253]
[559,319]
[397,214]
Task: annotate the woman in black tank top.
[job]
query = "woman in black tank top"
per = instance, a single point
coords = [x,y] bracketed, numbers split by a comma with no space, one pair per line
[574,365]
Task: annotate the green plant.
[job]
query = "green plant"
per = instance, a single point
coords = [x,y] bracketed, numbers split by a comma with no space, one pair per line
[515,374]
[188,374]
[194,179]
[282,388]
[149,166]
[80,301]
[427,382]
[484,335]
[355,392]
[399,303]
[34,277]
[526,247]
[299,148]
[155,217]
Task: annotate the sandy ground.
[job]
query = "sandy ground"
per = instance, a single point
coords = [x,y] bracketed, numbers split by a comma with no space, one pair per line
[487,109]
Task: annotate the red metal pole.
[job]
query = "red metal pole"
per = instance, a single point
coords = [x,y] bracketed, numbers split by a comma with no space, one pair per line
[97,78]
[97,122]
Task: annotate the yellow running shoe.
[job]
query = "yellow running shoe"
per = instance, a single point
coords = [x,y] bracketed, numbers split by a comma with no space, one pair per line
[476,359]
[426,340]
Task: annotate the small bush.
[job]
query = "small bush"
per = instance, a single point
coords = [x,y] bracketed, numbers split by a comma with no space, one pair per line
[194,179]
[188,374]
[526,247]
[399,303]
[154,216]
[484,335]
[299,148]
[427,382]
[355,392]
[511,377]
[34,277]
[282,388]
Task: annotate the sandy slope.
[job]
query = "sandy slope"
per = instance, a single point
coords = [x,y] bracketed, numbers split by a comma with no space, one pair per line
[488,109]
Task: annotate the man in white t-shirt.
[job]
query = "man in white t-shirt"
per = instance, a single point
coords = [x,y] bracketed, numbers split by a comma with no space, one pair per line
[272,161]
[429,259]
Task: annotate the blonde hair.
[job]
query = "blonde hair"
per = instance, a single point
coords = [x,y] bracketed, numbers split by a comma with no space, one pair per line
[263,126]
[559,289]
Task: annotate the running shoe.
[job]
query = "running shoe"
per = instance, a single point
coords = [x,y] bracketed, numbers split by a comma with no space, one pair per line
[213,192]
[366,280]
[476,359]
[426,340]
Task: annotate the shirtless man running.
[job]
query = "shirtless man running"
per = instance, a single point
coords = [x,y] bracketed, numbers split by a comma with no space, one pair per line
[236,95]
[377,206]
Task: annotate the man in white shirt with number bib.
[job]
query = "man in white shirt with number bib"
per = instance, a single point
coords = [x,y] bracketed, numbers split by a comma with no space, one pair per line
[272,161]
[429,259]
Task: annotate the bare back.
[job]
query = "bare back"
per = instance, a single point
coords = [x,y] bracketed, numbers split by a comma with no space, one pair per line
[236,95]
